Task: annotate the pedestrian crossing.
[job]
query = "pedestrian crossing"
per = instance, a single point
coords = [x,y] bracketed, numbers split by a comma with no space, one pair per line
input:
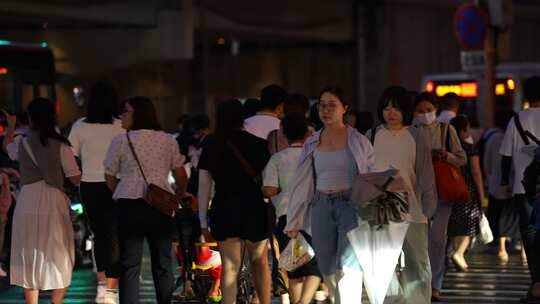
[486,281]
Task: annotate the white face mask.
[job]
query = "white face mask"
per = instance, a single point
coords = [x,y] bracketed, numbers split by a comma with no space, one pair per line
[427,118]
[469,140]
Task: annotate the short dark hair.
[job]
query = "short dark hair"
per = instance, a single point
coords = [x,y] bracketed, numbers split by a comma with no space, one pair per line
[502,118]
[144,113]
[182,119]
[295,126]
[460,123]
[336,91]
[272,96]
[425,96]
[531,89]
[399,98]
[450,101]
[199,122]
[102,104]
[296,103]
[251,107]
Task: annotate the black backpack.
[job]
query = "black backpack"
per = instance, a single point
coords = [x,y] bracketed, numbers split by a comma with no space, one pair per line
[531,175]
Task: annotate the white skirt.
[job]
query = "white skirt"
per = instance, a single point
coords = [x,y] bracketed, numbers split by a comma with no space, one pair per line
[42,245]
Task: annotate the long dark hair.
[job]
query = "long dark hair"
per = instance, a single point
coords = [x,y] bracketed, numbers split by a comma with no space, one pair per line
[229,118]
[43,116]
[144,114]
[460,123]
[103,104]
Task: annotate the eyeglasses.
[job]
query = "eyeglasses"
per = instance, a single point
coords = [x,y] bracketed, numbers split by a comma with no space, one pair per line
[327,105]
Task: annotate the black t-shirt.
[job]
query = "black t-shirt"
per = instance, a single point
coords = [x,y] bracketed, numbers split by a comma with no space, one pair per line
[231,179]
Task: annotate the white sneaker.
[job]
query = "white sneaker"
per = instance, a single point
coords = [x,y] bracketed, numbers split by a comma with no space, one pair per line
[100,296]
[3,273]
[111,296]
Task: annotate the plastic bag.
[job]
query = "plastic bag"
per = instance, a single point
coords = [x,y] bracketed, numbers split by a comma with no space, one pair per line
[486,236]
[297,254]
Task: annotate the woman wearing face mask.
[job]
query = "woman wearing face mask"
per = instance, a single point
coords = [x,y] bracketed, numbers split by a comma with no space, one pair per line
[426,117]
[406,148]
[465,216]
[320,196]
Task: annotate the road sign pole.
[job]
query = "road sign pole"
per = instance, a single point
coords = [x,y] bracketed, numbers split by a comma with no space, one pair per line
[487,109]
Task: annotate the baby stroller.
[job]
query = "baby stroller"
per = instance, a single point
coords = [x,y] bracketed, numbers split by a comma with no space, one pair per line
[201,262]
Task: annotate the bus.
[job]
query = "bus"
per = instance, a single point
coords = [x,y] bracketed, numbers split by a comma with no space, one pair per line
[27,71]
[508,88]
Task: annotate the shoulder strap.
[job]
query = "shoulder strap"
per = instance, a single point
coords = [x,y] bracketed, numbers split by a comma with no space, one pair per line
[488,136]
[445,137]
[29,151]
[448,142]
[245,164]
[136,158]
[525,134]
[519,127]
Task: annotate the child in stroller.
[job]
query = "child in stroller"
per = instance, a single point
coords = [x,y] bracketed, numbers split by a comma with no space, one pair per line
[200,261]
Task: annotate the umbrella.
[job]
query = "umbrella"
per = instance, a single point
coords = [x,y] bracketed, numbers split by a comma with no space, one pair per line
[377,249]
[378,239]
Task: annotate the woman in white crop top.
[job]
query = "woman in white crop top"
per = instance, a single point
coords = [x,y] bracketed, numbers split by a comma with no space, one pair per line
[332,213]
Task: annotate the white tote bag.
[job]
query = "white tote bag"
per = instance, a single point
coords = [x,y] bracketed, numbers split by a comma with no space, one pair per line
[486,236]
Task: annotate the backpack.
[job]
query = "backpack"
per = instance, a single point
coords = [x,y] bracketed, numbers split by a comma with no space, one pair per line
[530,181]
[531,177]
[481,147]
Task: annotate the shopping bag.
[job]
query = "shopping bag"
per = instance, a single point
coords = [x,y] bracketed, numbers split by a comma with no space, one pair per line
[486,236]
[297,253]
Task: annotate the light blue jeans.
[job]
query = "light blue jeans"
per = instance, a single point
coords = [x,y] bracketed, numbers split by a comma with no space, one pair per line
[332,216]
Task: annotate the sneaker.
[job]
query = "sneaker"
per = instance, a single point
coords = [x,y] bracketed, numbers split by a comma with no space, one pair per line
[111,296]
[100,296]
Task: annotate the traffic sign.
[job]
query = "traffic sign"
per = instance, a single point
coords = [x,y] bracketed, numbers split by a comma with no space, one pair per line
[471,26]
[473,61]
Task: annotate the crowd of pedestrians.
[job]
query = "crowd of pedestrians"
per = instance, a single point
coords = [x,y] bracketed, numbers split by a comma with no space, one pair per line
[274,170]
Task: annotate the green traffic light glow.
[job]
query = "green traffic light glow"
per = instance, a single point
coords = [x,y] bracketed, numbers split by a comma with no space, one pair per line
[5,42]
[44,44]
